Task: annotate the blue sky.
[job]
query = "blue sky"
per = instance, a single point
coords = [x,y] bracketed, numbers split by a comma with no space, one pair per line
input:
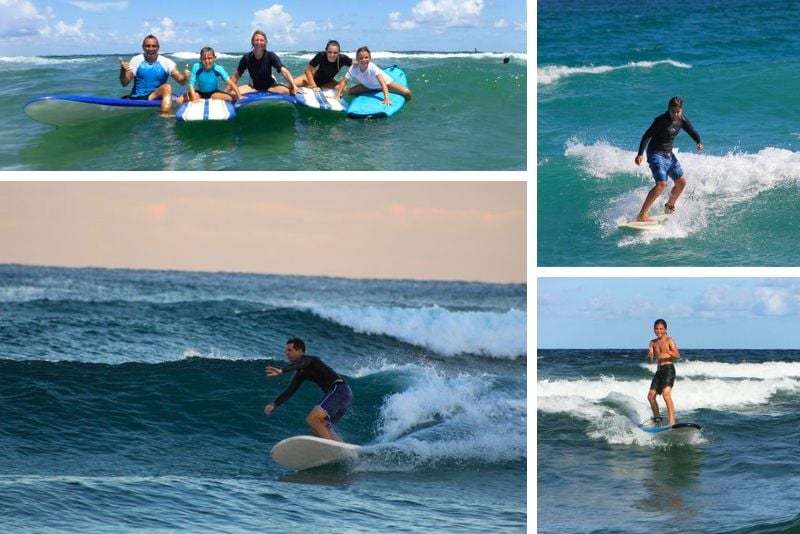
[42,27]
[724,313]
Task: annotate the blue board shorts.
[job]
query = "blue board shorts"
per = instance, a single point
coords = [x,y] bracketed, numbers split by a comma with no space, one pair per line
[663,165]
[337,401]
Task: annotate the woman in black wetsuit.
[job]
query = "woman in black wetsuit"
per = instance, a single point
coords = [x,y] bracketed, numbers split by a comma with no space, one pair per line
[260,63]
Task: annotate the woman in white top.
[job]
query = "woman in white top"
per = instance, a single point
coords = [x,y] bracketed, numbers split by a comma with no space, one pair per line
[370,77]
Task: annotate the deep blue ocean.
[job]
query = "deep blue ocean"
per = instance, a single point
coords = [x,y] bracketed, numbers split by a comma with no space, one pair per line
[133,400]
[597,472]
[606,69]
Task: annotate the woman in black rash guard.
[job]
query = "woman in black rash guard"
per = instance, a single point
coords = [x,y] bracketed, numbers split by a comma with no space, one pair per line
[663,163]
[338,396]
[259,64]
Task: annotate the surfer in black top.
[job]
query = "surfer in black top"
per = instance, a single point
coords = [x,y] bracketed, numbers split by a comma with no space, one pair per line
[338,396]
[321,71]
[260,63]
[663,163]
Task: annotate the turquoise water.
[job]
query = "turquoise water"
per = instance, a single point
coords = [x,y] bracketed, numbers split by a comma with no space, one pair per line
[134,400]
[468,113]
[606,69]
[597,472]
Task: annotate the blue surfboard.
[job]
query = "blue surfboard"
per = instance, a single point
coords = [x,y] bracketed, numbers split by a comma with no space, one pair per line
[264,99]
[370,105]
[653,427]
[206,109]
[71,110]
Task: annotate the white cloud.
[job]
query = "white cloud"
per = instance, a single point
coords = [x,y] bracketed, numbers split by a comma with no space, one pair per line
[275,22]
[502,23]
[63,30]
[396,22]
[280,28]
[99,7]
[772,301]
[164,31]
[440,14]
[20,19]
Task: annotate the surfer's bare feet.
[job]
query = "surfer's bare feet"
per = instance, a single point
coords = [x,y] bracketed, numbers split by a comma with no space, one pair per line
[643,218]
[669,209]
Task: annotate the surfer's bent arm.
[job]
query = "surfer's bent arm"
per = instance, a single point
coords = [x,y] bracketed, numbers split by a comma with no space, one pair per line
[692,133]
[672,349]
[290,390]
[650,352]
[647,136]
[125,73]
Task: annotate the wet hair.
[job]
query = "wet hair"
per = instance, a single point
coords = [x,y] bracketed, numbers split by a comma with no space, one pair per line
[297,344]
[364,49]
[205,50]
[660,321]
[333,42]
[151,36]
[258,32]
[675,102]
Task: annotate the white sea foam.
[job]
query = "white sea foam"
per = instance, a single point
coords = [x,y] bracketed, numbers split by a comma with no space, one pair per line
[462,419]
[613,408]
[446,332]
[717,185]
[195,56]
[553,73]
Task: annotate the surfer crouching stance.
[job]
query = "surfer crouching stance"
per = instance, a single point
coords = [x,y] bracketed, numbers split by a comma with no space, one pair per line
[338,396]
[664,349]
[663,163]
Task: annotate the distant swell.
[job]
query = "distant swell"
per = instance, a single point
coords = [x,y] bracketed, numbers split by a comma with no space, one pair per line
[553,73]
[493,334]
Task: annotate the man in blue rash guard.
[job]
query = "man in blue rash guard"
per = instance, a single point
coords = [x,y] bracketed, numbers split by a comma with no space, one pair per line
[663,163]
[150,73]
[338,396]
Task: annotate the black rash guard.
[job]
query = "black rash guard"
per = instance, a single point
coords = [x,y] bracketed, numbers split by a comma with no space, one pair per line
[663,132]
[260,70]
[308,368]
[327,70]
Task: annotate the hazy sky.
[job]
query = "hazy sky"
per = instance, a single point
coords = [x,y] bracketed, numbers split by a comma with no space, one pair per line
[700,312]
[421,230]
[59,27]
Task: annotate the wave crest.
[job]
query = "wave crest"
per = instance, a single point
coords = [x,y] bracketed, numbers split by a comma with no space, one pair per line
[446,332]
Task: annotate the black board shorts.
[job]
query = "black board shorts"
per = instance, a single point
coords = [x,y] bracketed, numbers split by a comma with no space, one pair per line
[664,378]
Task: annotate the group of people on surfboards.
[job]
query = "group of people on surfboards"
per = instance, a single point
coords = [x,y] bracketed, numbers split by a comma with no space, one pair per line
[150,73]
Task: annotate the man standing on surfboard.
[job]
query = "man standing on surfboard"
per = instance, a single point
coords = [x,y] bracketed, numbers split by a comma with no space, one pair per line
[338,396]
[664,349]
[663,163]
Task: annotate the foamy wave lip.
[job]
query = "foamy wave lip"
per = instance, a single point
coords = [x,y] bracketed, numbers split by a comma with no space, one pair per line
[451,419]
[498,335]
[716,184]
[762,371]
[189,354]
[195,56]
[553,73]
[690,394]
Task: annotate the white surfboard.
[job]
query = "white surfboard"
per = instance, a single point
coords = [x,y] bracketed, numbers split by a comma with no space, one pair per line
[655,222]
[305,452]
[324,99]
[206,109]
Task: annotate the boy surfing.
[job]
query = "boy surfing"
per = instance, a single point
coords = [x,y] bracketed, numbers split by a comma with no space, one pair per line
[665,351]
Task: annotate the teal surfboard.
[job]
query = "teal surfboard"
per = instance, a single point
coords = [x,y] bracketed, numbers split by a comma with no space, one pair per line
[370,105]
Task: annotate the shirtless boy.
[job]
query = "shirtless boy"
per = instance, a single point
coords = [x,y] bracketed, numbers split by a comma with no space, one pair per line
[665,351]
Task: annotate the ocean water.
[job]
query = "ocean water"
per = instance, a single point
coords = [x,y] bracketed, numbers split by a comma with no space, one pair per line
[469,113]
[606,69]
[134,400]
[597,472]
